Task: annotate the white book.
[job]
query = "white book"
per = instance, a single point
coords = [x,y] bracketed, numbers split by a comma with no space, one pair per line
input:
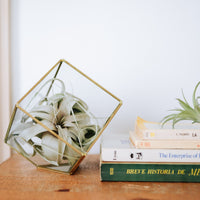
[118,148]
[153,130]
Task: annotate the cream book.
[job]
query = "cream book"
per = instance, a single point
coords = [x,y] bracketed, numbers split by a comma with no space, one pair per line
[163,143]
[153,130]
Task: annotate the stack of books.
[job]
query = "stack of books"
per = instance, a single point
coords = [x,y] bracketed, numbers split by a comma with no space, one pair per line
[152,153]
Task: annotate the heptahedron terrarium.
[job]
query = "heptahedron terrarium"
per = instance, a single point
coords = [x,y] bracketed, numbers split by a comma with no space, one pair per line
[57,122]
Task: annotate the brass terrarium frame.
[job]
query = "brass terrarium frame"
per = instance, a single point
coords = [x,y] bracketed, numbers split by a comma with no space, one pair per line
[82,155]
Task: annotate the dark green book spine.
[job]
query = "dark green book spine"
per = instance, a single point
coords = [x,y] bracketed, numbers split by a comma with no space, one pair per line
[150,172]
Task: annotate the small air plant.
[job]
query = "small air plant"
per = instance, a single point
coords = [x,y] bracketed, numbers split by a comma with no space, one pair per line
[186,112]
[64,114]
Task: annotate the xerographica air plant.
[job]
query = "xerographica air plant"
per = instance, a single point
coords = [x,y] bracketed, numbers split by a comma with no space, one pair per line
[186,111]
[64,115]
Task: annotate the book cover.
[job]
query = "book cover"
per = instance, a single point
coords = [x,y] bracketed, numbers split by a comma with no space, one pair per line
[118,147]
[161,172]
[153,130]
[163,143]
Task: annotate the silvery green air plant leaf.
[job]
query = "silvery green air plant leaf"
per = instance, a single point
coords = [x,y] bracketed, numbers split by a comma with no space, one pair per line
[64,114]
[185,112]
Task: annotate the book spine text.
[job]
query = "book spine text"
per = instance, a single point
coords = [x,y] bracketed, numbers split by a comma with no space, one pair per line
[150,172]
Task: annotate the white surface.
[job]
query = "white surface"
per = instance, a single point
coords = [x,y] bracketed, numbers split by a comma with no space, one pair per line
[144,52]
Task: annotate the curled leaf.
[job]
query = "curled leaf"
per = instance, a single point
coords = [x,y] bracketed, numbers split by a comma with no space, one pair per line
[186,112]
[65,115]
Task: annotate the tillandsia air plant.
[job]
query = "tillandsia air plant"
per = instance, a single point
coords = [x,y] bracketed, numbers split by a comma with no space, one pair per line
[186,112]
[65,115]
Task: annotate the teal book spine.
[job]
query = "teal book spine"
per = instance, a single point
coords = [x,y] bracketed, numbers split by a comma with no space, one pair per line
[150,172]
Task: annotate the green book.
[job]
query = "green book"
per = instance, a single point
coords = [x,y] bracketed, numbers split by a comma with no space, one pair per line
[158,172]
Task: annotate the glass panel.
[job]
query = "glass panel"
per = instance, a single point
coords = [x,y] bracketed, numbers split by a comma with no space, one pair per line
[62,117]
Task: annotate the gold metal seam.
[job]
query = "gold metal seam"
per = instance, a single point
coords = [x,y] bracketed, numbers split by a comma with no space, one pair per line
[60,63]
[43,77]
[91,80]
[54,170]
[10,123]
[77,164]
[106,124]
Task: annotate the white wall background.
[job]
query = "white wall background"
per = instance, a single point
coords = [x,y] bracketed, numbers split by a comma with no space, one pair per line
[144,52]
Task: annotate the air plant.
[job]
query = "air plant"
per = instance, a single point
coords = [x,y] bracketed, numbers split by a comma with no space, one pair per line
[186,112]
[67,116]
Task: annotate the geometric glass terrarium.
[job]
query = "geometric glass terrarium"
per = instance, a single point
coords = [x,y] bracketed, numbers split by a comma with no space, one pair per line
[57,122]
